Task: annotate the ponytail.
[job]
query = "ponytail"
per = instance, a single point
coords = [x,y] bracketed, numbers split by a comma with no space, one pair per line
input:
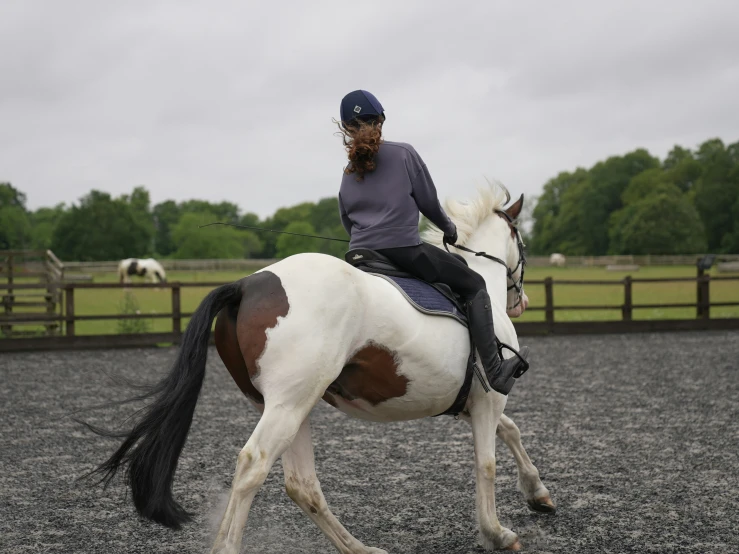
[362,139]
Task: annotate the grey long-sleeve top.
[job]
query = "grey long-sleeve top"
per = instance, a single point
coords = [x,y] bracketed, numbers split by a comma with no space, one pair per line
[382,210]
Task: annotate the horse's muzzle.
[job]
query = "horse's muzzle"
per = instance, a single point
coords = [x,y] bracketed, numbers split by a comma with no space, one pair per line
[518,310]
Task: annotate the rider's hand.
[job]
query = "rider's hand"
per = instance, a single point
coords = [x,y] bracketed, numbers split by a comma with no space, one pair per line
[451,239]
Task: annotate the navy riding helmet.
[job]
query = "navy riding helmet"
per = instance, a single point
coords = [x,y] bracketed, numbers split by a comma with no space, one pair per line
[360,104]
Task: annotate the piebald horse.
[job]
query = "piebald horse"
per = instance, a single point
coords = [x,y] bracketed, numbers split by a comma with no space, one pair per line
[149,269]
[312,326]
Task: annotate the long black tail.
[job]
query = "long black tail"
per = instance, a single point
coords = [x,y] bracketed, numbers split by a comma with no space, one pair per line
[152,448]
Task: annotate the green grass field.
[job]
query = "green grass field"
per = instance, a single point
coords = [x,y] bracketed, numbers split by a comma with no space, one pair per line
[151,301]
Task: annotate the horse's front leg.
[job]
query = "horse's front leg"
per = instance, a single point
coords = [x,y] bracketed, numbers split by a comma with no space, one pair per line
[484,417]
[536,494]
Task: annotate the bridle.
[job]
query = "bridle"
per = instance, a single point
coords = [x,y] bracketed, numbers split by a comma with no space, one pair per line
[517,285]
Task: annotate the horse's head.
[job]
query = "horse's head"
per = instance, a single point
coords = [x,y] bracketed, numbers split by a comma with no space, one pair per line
[159,272]
[489,238]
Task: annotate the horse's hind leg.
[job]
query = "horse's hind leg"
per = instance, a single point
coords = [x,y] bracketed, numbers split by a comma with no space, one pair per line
[536,494]
[303,487]
[272,435]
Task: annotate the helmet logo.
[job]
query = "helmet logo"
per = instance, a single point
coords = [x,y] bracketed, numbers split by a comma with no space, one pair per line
[357,109]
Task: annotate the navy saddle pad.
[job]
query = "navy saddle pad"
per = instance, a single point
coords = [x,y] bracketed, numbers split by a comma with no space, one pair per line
[423,296]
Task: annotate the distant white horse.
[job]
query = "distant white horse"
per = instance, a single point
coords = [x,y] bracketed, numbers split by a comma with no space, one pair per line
[557,260]
[312,326]
[149,269]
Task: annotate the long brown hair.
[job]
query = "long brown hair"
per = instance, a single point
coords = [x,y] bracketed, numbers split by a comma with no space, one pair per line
[362,139]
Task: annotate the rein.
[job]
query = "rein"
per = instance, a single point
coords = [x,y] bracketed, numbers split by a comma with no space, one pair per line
[517,285]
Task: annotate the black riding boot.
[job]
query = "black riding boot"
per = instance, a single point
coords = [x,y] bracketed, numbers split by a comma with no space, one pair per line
[501,374]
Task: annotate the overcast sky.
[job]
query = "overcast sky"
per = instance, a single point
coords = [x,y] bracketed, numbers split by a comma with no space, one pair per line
[233,100]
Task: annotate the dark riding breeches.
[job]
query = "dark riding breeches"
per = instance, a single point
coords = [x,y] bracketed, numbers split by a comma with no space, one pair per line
[434,265]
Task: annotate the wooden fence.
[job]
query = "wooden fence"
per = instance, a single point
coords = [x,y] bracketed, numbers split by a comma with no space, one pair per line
[46,268]
[627,323]
[550,325]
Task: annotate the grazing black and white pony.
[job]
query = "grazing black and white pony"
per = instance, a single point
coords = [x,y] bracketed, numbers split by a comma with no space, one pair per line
[313,327]
[148,269]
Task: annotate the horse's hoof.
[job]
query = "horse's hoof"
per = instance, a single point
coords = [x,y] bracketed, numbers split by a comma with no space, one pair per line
[543,504]
[506,540]
[515,547]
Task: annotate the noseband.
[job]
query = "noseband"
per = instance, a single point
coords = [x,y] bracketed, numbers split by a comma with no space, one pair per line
[517,285]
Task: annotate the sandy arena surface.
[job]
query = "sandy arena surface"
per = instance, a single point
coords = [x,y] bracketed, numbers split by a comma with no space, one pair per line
[637,438]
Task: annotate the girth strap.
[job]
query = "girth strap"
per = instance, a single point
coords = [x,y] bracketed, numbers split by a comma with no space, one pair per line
[461,401]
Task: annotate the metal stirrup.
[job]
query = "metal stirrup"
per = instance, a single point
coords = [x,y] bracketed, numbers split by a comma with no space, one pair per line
[524,361]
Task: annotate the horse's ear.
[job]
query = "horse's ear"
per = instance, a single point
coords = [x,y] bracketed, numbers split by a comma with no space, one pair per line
[514,210]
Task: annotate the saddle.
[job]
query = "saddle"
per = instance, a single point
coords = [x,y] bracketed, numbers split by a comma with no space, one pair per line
[429,298]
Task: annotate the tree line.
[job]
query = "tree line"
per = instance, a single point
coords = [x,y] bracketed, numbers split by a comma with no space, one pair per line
[632,204]
[102,227]
[637,204]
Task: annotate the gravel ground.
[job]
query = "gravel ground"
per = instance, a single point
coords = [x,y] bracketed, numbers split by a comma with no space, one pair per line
[637,438]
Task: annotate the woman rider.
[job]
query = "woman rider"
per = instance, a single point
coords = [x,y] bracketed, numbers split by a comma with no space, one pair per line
[384,187]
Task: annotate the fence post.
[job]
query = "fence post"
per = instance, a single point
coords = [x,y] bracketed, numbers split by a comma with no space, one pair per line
[10,299]
[50,311]
[705,297]
[626,308]
[69,309]
[549,306]
[176,311]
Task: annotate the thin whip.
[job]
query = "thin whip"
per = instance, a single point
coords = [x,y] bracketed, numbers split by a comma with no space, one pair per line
[272,231]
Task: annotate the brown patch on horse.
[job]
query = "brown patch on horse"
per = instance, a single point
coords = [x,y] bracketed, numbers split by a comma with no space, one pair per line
[227,344]
[513,211]
[263,303]
[241,330]
[370,374]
